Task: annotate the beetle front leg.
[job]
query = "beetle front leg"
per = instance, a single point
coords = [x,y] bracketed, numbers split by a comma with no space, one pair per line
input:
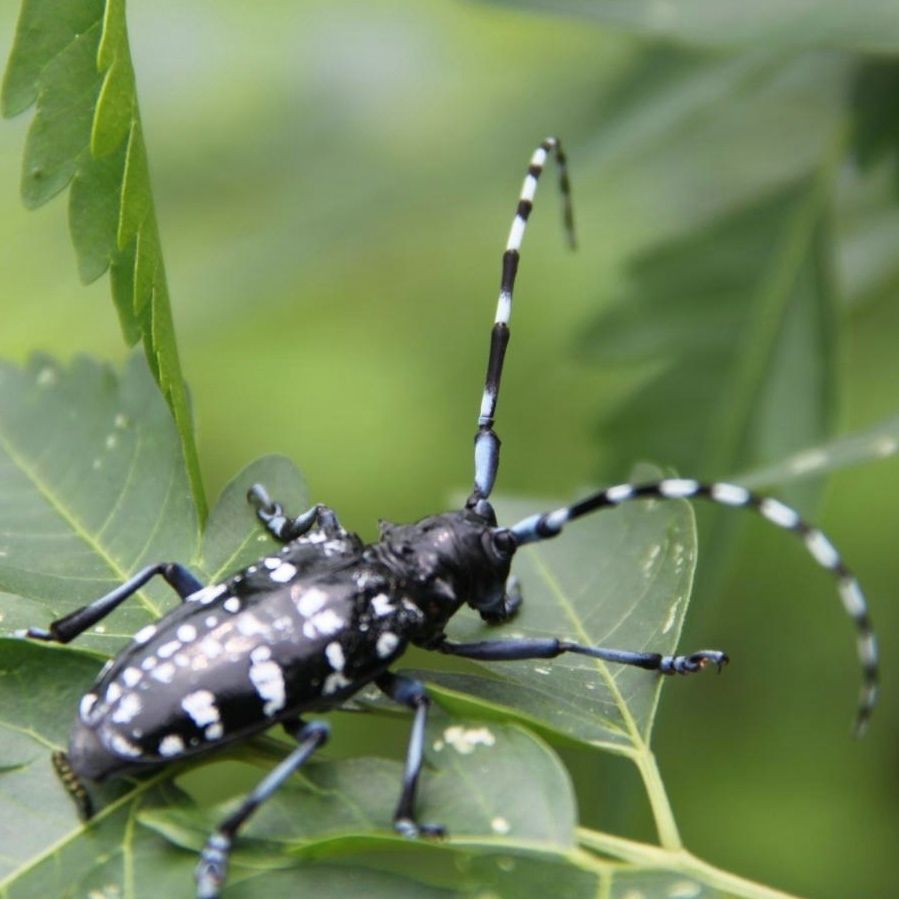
[284,529]
[412,694]
[511,604]
[550,647]
[212,868]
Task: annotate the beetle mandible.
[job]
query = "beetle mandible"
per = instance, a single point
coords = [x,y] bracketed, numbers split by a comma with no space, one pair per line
[304,629]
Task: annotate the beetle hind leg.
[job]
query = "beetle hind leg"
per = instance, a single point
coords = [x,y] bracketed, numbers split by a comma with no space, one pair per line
[212,868]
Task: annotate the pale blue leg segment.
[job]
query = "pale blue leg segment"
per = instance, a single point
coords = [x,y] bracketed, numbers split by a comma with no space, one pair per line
[550,647]
[412,694]
[213,865]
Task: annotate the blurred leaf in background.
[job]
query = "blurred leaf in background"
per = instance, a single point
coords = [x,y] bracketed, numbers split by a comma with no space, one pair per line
[334,184]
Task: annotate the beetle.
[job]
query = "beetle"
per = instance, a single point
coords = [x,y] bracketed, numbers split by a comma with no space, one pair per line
[305,628]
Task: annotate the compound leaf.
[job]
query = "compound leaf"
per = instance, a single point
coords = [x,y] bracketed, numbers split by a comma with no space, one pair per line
[72,59]
[748,299]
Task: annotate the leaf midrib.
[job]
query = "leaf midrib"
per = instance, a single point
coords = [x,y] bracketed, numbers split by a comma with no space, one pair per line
[70,517]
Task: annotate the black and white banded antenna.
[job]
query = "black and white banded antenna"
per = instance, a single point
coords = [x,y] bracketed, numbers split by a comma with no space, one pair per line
[486,451]
[549,524]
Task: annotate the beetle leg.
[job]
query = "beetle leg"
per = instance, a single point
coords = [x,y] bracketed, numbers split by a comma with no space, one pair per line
[412,694]
[212,868]
[511,604]
[550,647]
[285,529]
[70,626]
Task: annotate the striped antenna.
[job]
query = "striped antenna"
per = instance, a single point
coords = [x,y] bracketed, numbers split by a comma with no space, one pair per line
[549,524]
[486,452]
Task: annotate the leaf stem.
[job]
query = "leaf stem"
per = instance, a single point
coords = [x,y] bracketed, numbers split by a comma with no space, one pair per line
[662,813]
[677,860]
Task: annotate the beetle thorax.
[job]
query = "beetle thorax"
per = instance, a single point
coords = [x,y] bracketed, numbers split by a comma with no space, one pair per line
[445,561]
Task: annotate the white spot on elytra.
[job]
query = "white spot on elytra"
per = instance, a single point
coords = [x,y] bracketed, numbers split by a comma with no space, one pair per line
[113,692]
[131,676]
[211,621]
[171,745]
[201,707]
[387,642]
[148,663]
[122,746]
[250,625]
[87,703]
[310,601]
[334,682]
[268,680]
[466,739]
[168,649]
[325,624]
[129,706]
[207,594]
[260,654]
[210,647]
[381,605]
[232,604]
[164,673]
[145,634]
[214,731]
[187,633]
[284,573]
[271,562]
[334,652]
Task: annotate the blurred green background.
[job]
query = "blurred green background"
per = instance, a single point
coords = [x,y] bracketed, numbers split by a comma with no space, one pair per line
[334,184]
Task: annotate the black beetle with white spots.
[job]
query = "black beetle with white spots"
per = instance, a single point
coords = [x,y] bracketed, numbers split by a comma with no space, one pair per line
[303,630]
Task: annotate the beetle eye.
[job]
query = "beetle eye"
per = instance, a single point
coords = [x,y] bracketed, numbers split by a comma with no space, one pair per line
[504,542]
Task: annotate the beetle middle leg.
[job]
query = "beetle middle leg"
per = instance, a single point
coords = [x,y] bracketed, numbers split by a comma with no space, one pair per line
[410,693]
[284,529]
[70,626]
[213,865]
[550,647]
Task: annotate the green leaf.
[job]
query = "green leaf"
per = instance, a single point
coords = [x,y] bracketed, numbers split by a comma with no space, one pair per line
[95,489]
[487,784]
[875,107]
[869,25]
[71,58]
[881,441]
[737,320]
